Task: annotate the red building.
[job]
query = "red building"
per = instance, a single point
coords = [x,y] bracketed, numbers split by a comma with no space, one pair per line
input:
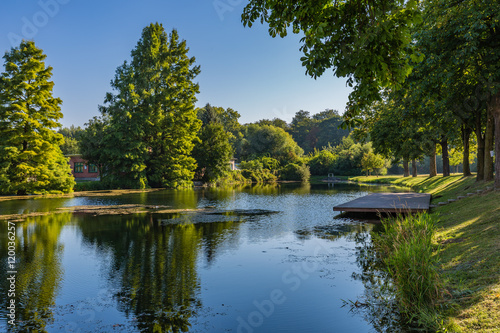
[81,170]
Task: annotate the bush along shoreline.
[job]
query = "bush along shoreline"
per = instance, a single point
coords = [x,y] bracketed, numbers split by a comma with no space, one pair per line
[445,265]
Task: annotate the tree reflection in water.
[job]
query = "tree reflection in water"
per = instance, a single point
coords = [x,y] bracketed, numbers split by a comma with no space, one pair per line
[377,305]
[153,266]
[38,266]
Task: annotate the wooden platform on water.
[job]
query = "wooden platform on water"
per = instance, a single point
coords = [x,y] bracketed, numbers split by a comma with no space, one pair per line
[388,203]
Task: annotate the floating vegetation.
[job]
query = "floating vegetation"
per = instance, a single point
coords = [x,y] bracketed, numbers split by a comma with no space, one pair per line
[204,216]
[97,210]
[244,212]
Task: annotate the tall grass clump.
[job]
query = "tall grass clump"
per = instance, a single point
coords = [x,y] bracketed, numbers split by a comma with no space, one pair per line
[407,251]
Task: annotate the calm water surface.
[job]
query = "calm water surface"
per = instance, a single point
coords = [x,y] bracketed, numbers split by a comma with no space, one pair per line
[289,269]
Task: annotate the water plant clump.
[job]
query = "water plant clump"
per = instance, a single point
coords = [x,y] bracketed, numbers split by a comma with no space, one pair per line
[406,249]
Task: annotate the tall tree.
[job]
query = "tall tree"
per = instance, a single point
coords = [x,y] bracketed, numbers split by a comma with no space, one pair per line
[212,154]
[303,130]
[269,141]
[320,130]
[394,134]
[153,119]
[92,144]
[71,137]
[371,162]
[30,158]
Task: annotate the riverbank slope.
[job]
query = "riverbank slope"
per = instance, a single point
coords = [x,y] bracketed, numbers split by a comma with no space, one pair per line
[468,247]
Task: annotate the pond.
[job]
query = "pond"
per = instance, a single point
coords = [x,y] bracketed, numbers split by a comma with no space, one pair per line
[268,259]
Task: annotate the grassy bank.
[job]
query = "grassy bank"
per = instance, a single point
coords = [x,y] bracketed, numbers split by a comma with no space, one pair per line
[467,242]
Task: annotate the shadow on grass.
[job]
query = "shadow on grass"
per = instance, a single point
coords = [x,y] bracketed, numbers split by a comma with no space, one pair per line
[470,256]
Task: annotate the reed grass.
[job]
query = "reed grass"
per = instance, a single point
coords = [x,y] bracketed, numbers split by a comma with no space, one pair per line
[407,250]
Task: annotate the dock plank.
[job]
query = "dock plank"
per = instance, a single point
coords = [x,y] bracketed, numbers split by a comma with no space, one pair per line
[388,203]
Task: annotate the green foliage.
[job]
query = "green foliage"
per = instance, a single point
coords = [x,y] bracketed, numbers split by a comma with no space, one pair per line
[152,117]
[373,162]
[263,169]
[410,139]
[349,156]
[407,251]
[293,171]
[259,176]
[232,177]
[253,165]
[270,163]
[213,153]
[270,141]
[318,131]
[91,186]
[322,163]
[92,144]
[30,158]
[276,122]
[71,137]
[459,76]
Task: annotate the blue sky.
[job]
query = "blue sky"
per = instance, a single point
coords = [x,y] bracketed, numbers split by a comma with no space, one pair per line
[242,68]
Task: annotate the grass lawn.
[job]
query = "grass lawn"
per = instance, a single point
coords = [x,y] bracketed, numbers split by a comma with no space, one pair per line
[468,247]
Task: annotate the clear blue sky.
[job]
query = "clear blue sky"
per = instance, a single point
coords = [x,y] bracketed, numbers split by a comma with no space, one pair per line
[242,68]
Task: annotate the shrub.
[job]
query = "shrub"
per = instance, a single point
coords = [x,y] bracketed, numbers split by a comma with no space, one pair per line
[253,165]
[259,176]
[230,178]
[260,170]
[294,171]
[90,186]
[322,162]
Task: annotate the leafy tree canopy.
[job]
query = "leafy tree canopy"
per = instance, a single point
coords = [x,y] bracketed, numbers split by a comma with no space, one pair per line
[71,137]
[214,151]
[269,141]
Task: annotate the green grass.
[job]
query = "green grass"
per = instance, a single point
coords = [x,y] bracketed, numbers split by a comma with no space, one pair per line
[467,239]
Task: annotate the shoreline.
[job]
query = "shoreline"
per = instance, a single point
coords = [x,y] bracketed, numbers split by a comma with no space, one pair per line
[466,245]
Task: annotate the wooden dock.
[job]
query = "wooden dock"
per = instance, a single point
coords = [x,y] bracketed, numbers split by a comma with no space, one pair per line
[388,203]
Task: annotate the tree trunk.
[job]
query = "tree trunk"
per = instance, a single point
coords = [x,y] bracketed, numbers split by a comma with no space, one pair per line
[406,168]
[480,147]
[495,109]
[433,167]
[446,158]
[414,167]
[466,142]
[488,146]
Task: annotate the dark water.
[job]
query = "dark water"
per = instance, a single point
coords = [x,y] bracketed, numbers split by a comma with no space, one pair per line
[296,268]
